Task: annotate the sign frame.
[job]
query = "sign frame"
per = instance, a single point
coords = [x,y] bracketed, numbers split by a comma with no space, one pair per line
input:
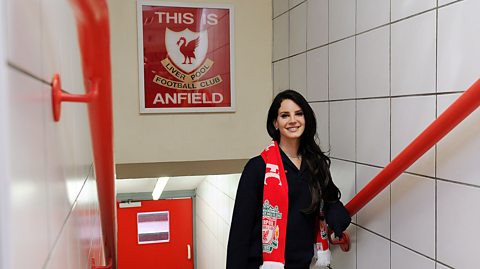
[140,53]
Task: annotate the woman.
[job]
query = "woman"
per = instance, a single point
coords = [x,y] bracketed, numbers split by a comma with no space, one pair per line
[275,225]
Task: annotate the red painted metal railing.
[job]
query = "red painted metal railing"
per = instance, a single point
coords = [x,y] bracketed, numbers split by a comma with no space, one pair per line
[455,113]
[94,40]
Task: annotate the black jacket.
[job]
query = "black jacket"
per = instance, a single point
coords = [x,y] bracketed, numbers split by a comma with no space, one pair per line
[245,244]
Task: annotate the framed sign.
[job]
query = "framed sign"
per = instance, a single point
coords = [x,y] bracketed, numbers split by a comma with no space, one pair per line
[185,56]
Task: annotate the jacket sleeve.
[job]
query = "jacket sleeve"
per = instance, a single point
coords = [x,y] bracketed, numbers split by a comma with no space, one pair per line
[247,203]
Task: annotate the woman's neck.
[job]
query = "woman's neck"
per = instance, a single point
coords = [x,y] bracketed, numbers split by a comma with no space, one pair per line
[290,147]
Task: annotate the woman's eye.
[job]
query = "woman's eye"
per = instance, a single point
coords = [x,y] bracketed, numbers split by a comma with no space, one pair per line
[299,113]
[284,116]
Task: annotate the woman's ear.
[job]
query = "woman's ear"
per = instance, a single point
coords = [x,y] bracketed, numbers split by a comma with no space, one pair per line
[275,124]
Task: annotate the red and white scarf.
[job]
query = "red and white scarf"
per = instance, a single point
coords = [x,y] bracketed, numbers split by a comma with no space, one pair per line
[275,214]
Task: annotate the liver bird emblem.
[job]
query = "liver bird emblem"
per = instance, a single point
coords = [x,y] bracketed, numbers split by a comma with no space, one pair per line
[188,49]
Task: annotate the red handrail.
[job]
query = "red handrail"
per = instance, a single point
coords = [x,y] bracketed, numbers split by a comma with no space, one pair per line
[456,113]
[94,39]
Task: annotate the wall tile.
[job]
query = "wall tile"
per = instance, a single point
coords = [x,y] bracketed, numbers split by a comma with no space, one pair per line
[375,216]
[410,116]
[459,151]
[405,8]
[298,29]
[404,258]
[342,129]
[369,246]
[457,222]
[24,35]
[341,19]
[279,7]
[373,63]
[458,43]
[27,195]
[343,175]
[281,76]
[413,55]
[298,73]
[317,23]
[317,74]
[413,213]
[342,69]
[321,114]
[373,131]
[371,14]
[280,37]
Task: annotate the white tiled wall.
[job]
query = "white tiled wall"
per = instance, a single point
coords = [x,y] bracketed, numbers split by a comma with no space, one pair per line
[377,74]
[215,198]
[50,205]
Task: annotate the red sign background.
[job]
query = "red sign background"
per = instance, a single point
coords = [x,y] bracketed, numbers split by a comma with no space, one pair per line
[172,83]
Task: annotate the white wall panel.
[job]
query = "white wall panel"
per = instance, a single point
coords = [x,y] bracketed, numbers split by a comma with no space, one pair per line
[404,8]
[413,213]
[342,129]
[317,74]
[404,258]
[341,69]
[373,131]
[280,36]
[60,47]
[375,216]
[281,76]
[341,19]
[457,221]
[298,29]
[279,7]
[317,23]
[24,35]
[298,73]
[458,43]
[413,55]
[372,63]
[321,114]
[343,175]
[459,151]
[371,14]
[373,251]
[410,116]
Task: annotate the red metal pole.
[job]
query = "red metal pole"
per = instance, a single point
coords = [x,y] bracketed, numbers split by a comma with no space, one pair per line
[456,113]
[94,39]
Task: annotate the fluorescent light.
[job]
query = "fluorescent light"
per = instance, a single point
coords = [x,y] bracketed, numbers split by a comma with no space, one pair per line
[157,191]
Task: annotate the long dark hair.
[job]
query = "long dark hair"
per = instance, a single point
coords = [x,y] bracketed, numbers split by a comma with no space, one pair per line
[318,164]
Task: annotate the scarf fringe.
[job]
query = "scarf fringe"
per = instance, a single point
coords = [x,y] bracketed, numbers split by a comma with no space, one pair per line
[272,265]
[324,257]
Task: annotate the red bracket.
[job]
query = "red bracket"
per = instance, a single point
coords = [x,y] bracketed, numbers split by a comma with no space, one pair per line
[58,96]
[343,242]
[109,265]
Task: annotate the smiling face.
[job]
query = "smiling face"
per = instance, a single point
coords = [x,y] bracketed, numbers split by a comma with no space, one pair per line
[290,121]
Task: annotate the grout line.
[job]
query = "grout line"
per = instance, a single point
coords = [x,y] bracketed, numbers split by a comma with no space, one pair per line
[67,218]
[410,173]
[399,244]
[27,73]
[435,146]
[390,114]
[389,97]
